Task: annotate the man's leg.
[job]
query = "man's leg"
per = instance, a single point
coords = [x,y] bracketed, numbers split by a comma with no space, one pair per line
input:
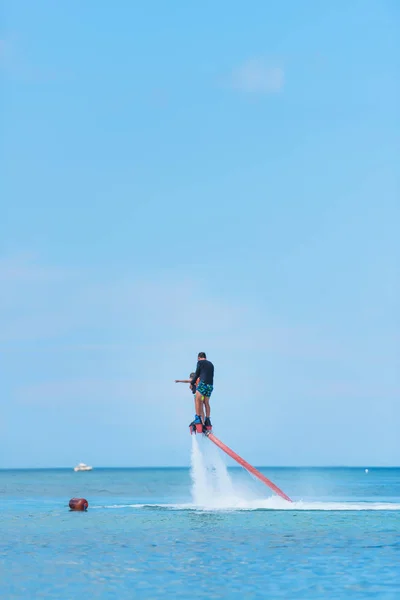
[199,405]
[202,413]
[207,406]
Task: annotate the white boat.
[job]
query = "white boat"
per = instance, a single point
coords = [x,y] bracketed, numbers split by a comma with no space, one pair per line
[82,467]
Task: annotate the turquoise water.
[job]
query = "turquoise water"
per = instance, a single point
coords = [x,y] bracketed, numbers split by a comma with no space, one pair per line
[207,532]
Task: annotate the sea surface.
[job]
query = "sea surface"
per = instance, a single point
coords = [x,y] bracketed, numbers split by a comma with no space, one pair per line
[205,532]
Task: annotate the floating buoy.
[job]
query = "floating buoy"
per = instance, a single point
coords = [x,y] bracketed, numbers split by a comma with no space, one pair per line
[366,470]
[78,504]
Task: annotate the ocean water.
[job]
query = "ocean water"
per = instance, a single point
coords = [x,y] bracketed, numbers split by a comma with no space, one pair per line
[204,532]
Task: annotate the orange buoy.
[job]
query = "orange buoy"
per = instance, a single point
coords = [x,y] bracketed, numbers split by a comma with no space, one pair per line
[78,504]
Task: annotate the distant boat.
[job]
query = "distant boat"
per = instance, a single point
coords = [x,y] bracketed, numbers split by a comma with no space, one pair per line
[82,467]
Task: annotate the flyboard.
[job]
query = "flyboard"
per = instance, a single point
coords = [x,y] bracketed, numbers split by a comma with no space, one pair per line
[208,433]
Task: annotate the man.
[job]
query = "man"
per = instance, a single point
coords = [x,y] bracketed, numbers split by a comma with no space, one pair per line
[205,376]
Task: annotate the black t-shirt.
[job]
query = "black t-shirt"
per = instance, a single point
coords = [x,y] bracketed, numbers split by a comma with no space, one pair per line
[204,371]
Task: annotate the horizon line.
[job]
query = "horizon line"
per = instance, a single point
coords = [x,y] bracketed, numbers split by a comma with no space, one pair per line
[102,468]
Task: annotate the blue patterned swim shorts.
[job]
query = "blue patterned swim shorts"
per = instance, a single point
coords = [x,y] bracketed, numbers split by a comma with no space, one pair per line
[205,389]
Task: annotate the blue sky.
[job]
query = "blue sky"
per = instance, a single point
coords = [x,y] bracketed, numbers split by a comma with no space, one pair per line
[214,176]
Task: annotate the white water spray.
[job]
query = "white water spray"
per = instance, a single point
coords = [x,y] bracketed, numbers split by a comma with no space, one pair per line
[222,482]
[212,486]
[200,480]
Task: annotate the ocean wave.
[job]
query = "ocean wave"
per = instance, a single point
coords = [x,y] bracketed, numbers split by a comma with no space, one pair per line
[272,503]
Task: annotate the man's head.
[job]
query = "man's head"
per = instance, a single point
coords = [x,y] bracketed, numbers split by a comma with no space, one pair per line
[201,356]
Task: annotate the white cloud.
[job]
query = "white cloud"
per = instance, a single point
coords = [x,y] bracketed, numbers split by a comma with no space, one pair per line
[256,77]
[98,390]
[42,303]
[24,268]
[17,63]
